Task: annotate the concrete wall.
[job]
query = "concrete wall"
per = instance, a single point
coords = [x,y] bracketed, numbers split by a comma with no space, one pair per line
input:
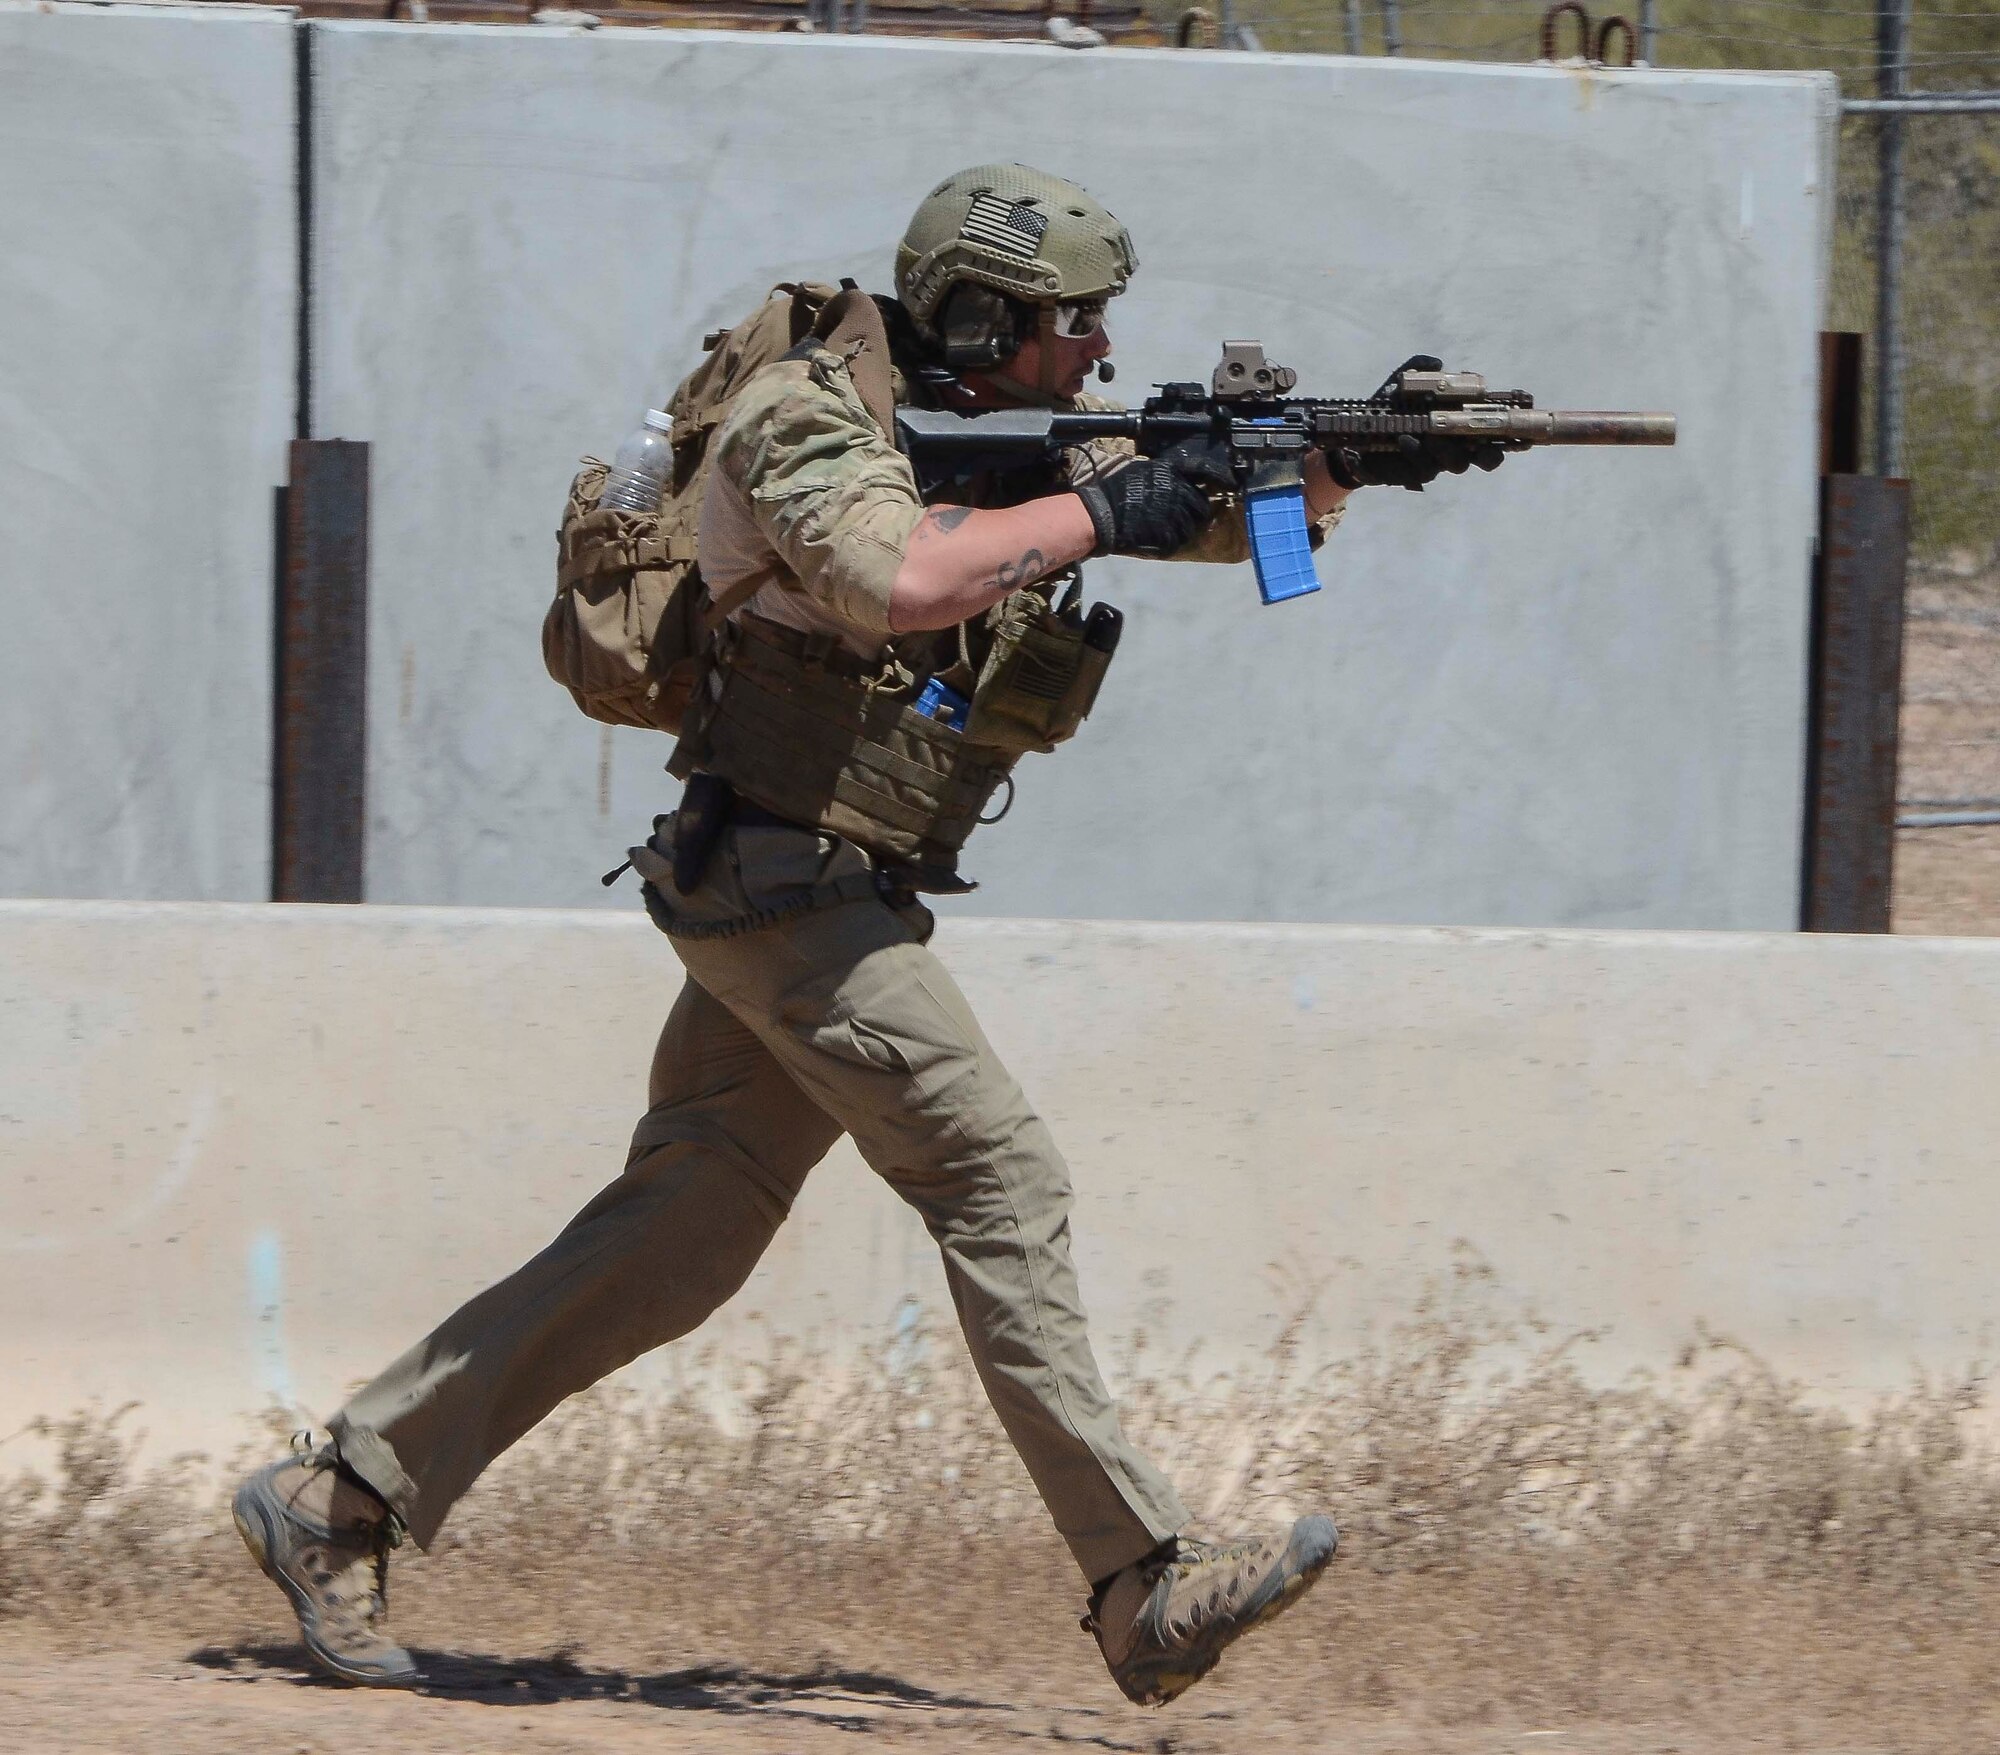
[1572,694]
[147,365]
[251,1152]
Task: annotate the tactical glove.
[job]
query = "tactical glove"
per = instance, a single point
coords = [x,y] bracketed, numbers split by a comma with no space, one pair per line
[1412,464]
[1153,506]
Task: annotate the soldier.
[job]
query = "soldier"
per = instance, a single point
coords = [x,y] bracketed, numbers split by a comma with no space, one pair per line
[826,793]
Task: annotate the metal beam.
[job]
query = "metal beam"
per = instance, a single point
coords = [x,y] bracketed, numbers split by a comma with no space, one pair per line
[1947,819]
[1856,694]
[319,754]
[1926,103]
[1840,377]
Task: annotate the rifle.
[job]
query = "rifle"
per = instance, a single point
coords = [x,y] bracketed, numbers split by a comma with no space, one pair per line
[1247,406]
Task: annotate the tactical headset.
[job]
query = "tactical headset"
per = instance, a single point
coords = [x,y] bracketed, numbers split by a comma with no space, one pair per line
[981,329]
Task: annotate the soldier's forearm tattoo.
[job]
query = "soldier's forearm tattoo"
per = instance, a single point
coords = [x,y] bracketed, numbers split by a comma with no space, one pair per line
[940,521]
[1012,575]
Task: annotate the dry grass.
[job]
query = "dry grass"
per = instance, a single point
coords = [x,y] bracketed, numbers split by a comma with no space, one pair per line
[1705,1545]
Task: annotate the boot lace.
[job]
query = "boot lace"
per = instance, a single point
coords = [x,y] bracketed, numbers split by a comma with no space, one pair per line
[390,1533]
[1215,1576]
[1179,1559]
[384,1537]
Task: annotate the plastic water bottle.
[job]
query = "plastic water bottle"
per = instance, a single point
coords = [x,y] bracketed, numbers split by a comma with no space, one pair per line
[639,472]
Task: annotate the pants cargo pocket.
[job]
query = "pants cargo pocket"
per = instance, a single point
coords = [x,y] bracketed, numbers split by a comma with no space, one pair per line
[892,1022]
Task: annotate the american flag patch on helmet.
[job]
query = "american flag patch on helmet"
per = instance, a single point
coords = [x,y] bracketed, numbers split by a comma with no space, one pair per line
[1012,227]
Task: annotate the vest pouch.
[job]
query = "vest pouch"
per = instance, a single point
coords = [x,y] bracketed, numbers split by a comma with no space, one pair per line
[812,736]
[1076,705]
[1038,683]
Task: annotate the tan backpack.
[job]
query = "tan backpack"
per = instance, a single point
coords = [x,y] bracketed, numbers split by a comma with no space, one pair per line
[628,627]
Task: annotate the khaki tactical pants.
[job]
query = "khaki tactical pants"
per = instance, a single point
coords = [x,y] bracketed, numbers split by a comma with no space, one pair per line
[832,1020]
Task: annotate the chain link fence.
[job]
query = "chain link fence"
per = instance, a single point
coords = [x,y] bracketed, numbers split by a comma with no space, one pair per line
[1950,321]
[1950,284]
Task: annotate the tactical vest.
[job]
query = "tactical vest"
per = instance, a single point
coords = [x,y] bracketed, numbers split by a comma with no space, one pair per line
[800,726]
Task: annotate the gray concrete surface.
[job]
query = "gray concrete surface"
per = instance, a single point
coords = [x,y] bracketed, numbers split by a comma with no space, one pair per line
[1569,694]
[249,1153]
[147,367]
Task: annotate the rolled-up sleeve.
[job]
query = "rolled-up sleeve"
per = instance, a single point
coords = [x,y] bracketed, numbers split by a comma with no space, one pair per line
[829,491]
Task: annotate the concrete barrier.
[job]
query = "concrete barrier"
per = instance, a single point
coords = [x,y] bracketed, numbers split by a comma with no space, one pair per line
[1569,695]
[148,297]
[248,1153]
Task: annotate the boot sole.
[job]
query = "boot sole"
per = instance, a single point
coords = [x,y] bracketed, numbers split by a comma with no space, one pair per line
[1161,1685]
[253,1524]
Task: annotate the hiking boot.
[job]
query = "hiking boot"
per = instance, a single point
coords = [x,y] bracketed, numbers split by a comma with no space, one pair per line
[1163,1623]
[324,1538]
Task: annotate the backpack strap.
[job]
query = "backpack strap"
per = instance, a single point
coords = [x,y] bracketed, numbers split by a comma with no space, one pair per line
[720,609]
[851,325]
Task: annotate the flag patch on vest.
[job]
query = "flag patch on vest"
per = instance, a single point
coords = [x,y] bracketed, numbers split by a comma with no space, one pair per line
[1012,227]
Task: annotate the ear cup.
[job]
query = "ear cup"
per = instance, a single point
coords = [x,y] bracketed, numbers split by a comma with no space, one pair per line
[981,328]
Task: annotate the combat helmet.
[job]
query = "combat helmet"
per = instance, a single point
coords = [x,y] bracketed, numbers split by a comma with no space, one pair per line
[1036,239]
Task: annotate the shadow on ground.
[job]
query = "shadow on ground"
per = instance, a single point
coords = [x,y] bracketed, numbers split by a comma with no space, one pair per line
[819,1693]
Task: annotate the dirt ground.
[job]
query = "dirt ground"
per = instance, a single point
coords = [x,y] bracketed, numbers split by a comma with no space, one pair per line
[164,1699]
[1362,1666]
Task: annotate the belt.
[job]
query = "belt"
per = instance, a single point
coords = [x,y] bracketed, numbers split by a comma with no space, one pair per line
[906,878]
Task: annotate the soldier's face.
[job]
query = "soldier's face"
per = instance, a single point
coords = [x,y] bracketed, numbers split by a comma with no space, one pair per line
[1072,360]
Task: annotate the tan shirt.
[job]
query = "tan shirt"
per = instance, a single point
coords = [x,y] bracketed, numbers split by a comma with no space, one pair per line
[808,492]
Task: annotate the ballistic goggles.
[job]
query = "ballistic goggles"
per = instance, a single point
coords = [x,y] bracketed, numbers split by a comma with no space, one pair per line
[1078,318]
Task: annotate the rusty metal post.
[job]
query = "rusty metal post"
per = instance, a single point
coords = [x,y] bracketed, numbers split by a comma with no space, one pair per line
[1855,699]
[1840,373]
[319,744]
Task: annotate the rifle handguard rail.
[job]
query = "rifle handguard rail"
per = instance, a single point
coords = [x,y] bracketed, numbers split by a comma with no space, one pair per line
[1016,435]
